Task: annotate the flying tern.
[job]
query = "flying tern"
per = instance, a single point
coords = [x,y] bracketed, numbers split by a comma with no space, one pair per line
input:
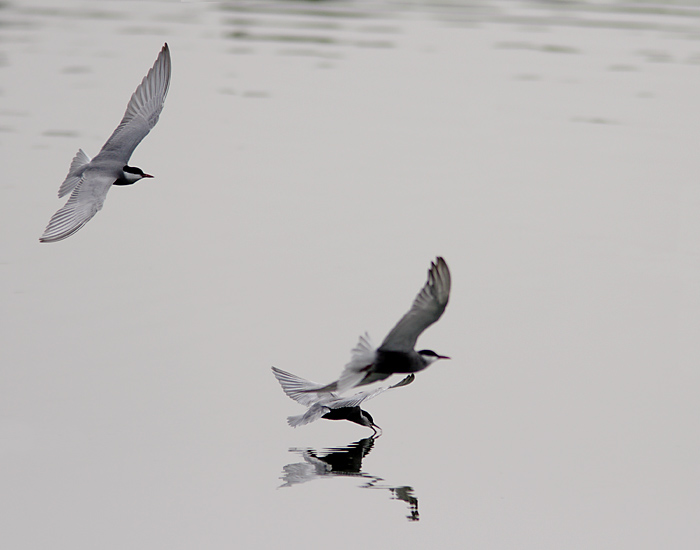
[396,354]
[326,404]
[88,181]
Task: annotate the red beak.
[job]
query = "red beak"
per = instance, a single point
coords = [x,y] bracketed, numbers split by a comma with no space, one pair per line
[147,176]
[444,357]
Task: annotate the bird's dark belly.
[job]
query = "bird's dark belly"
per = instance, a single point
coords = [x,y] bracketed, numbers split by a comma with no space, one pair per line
[395,361]
[342,413]
[122,181]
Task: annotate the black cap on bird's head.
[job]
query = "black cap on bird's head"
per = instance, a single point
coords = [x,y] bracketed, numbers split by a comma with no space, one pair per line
[132,173]
[429,356]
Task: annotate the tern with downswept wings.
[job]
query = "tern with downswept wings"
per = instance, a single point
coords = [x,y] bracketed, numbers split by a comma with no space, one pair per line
[327,404]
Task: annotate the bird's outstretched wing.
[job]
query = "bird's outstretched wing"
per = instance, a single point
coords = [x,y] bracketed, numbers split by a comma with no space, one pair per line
[85,201]
[426,309]
[302,391]
[142,112]
[358,398]
[317,409]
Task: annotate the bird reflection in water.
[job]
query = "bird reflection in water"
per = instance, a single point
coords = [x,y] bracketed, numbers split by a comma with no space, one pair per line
[344,461]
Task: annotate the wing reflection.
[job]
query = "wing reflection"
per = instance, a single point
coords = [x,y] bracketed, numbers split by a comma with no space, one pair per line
[344,461]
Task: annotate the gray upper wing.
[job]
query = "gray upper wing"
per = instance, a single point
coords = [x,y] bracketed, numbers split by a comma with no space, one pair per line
[142,113]
[358,398]
[302,391]
[426,309]
[85,201]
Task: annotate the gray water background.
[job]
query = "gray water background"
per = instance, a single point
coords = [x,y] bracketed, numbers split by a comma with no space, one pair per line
[311,160]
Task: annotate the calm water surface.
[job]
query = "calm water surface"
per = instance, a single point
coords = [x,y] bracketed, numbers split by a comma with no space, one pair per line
[310,162]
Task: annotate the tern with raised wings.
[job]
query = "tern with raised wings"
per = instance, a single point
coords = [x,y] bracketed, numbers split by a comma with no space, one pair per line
[88,181]
[396,354]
